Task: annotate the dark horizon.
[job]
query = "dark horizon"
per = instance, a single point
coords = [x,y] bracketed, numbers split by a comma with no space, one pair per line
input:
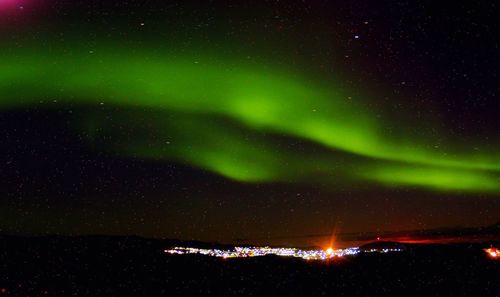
[446,235]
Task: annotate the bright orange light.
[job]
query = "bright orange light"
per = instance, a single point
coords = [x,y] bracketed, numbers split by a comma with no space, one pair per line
[329,251]
[493,252]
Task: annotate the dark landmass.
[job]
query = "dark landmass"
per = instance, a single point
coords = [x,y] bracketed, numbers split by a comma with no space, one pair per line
[435,235]
[134,266]
[384,245]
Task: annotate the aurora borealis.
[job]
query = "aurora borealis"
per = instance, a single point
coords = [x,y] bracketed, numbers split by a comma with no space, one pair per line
[253,97]
[248,118]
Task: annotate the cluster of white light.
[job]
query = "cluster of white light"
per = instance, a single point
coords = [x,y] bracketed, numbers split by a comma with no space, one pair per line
[382,250]
[243,252]
[493,252]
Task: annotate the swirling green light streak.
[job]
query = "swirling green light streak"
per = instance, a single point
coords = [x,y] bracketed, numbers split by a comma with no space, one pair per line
[256,97]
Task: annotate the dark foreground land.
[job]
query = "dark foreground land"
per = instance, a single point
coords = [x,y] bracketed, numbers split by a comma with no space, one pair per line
[129,266]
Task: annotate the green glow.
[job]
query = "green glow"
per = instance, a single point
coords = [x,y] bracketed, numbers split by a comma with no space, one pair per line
[255,97]
[434,178]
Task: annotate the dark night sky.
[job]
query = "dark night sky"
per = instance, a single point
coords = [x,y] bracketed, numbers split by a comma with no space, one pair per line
[77,157]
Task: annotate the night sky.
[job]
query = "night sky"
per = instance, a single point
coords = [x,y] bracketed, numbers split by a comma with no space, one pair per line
[248,121]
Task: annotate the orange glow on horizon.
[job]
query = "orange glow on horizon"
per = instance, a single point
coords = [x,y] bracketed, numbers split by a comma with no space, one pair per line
[493,252]
[337,240]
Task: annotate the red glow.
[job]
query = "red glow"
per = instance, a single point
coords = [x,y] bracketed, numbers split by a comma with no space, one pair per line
[494,253]
[414,240]
[8,4]
[22,9]
[436,239]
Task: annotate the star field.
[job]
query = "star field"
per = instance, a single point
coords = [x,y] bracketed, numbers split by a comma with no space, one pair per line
[223,121]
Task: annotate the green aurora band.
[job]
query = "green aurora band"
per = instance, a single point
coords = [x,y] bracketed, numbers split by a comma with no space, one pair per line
[222,114]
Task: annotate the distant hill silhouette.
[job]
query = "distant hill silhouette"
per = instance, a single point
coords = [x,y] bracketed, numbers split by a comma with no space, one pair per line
[136,266]
[383,245]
